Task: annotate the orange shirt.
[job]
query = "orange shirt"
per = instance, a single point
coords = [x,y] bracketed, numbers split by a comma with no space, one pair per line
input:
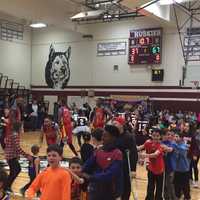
[54,184]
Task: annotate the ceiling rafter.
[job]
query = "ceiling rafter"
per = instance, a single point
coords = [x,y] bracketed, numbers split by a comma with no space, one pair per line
[113,11]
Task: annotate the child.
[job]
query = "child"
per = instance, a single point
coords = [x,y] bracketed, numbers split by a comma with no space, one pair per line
[33,168]
[97,138]
[86,149]
[54,182]
[182,169]
[170,161]
[154,152]
[3,180]
[75,166]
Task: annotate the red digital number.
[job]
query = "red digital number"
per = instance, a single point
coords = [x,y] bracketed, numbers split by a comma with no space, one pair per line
[133,51]
[147,40]
[142,41]
[132,59]
[158,57]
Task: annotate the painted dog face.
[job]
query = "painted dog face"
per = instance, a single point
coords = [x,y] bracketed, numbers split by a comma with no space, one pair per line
[57,72]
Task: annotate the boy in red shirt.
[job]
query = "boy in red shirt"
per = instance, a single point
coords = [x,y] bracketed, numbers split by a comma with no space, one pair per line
[154,152]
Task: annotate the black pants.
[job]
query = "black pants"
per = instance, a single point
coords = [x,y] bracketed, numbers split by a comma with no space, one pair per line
[33,122]
[3,145]
[79,135]
[182,184]
[126,188]
[194,166]
[14,171]
[169,186]
[28,184]
[71,146]
[154,182]
[100,191]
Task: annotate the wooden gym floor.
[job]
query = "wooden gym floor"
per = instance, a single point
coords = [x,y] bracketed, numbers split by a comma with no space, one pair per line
[30,138]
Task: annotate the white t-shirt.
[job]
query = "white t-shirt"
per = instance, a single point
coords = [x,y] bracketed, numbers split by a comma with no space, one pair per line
[35,110]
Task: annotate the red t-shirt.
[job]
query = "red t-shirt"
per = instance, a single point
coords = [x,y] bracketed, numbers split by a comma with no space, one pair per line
[156,165]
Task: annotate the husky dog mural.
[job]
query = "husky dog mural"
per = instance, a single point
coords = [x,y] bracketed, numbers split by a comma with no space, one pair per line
[57,71]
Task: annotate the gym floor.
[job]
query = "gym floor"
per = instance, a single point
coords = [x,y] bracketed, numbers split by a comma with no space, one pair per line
[30,138]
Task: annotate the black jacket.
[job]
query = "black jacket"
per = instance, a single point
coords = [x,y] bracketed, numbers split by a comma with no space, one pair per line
[126,141]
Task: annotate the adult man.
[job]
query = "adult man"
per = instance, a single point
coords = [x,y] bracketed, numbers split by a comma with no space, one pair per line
[13,152]
[34,115]
[126,142]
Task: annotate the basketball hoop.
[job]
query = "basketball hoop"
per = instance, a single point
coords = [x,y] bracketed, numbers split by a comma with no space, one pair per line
[195,84]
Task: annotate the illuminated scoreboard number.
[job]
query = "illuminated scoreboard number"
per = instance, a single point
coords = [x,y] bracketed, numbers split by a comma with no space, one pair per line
[145,46]
[133,54]
[157,74]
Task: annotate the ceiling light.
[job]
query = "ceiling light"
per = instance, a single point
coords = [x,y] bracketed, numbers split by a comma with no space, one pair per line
[88,15]
[38,25]
[97,5]
[168,2]
[115,1]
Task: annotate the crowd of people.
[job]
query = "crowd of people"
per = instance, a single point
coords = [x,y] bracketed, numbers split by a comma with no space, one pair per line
[113,138]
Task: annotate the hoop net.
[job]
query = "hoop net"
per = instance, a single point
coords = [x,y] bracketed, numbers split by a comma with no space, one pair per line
[195,84]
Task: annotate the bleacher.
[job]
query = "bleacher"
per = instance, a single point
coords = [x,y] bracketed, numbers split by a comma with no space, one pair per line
[9,90]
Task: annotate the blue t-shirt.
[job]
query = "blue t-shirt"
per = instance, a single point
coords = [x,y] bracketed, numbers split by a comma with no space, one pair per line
[170,157]
[182,161]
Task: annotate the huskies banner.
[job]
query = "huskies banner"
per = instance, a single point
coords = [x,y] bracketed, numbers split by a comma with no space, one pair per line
[57,71]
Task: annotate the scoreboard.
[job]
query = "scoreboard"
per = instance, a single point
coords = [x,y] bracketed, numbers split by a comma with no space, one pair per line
[145,46]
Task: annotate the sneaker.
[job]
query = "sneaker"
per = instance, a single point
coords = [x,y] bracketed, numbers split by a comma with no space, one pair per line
[22,192]
[9,191]
[195,184]
[191,182]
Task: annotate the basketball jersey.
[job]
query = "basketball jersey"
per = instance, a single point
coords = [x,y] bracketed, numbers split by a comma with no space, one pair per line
[142,125]
[66,116]
[132,118]
[98,118]
[82,121]
[31,167]
[51,133]
[66,125]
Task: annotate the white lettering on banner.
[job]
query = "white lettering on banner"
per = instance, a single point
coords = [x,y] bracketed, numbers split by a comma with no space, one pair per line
[150,33]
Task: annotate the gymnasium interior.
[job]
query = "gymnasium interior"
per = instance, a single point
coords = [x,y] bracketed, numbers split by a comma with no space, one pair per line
[130,52]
